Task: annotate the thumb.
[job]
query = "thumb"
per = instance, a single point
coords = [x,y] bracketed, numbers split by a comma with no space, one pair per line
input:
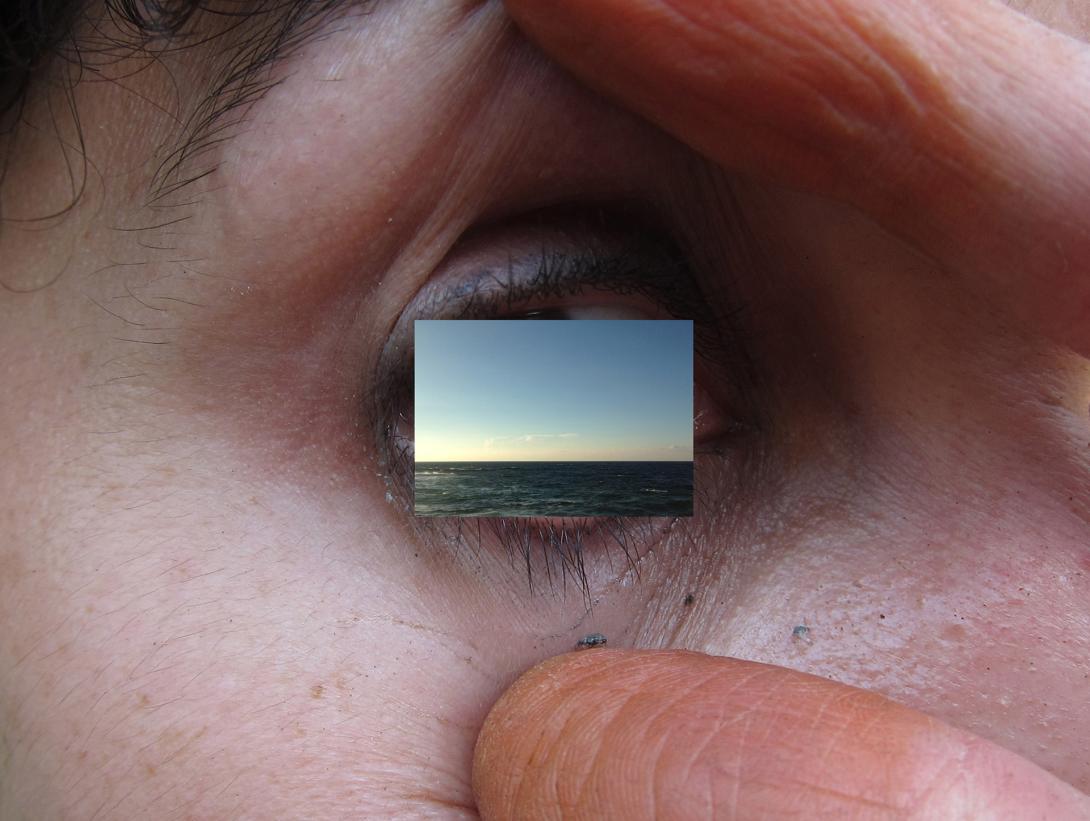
[958,125]
[673,734]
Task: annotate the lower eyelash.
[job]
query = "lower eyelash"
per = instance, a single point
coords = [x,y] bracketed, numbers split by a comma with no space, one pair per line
[541,547]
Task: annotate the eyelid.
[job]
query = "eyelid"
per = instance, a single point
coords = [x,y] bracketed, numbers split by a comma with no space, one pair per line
[547,276]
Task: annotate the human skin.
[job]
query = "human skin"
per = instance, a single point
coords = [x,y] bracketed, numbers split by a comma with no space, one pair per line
[211,609]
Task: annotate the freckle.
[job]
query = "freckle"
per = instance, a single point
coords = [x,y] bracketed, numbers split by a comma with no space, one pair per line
[316,691]
[90,608]
[954,632]
[144,700]
[149,769]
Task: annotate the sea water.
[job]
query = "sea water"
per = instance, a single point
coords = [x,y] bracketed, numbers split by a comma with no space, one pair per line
[554,489]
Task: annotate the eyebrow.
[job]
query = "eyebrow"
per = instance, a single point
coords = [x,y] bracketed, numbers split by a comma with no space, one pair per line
[260,36]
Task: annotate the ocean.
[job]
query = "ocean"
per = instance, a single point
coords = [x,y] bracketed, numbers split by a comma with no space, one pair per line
[554,489]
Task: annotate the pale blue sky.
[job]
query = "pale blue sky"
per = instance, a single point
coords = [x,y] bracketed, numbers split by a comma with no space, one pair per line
[553,390]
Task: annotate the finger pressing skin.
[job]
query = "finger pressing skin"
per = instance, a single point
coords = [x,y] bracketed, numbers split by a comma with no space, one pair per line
[674,734]
[959,125]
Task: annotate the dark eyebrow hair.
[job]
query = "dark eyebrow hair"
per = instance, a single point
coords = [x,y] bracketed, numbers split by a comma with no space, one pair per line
[248,39]
[257,38]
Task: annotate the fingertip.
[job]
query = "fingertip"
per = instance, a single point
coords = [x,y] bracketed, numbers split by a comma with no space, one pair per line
[644,734]
[525,715]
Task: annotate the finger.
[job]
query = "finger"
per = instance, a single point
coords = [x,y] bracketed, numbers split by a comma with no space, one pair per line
[959,125]
[672,734]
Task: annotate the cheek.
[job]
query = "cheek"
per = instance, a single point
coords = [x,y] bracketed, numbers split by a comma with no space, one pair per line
[255,645]
[967,604]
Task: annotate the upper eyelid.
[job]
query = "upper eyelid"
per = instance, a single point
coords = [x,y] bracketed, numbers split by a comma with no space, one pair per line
[490,291]
[653,270]
[554,274]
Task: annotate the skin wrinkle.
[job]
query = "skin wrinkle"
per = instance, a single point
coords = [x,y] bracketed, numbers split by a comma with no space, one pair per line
[885,79]
[653,750]
[942,204]
[938,788]
[808,785]
[718,726]
[579,785]
[834,739]
[770,46]
[647,751]
[593,670]
[752,780]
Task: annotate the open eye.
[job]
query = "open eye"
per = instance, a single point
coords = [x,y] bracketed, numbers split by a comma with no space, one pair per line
[557,271]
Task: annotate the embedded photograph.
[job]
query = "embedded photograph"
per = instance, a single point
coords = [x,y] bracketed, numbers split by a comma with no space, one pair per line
[562,418]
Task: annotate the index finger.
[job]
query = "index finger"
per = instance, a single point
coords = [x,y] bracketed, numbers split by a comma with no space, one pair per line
[958,125]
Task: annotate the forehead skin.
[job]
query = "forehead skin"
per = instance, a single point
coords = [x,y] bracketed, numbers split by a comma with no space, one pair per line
[213,610]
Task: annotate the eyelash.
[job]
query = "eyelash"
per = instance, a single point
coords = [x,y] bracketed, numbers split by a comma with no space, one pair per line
[658,274]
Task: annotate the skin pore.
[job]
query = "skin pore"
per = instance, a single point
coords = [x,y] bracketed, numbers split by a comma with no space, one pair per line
[215,603]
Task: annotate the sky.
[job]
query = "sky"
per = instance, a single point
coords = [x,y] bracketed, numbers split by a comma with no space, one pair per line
[543,390]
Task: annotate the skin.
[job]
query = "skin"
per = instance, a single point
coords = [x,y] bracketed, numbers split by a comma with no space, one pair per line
[211,609]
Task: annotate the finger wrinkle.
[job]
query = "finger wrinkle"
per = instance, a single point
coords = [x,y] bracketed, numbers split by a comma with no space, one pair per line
[846,56]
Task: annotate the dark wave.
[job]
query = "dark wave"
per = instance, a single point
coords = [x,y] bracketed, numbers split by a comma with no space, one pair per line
[554,489]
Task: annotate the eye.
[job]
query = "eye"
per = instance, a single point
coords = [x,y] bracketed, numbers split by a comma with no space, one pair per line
[556,267]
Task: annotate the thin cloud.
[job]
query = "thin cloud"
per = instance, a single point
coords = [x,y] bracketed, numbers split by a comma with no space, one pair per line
[529,437]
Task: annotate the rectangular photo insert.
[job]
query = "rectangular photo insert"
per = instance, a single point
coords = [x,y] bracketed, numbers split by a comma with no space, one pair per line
[553,418]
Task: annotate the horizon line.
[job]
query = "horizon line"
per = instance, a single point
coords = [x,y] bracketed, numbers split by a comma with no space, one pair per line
[502,461]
